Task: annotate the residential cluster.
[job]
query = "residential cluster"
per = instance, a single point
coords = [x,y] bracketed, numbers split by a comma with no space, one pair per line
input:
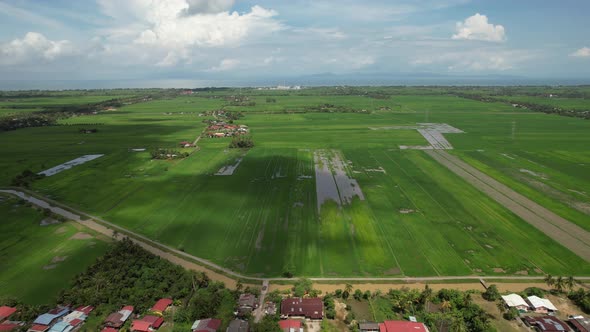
[219,129]
[539,314]
[61,319]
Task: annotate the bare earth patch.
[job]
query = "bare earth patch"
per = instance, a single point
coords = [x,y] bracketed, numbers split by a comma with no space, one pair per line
[49,267]
[499,270]
[81,236]
[406,211]
[523,273]
[48,221]
[58,259]
[61,230]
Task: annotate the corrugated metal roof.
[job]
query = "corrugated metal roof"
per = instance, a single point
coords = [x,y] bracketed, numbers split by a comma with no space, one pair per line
[514,300]
[537,302]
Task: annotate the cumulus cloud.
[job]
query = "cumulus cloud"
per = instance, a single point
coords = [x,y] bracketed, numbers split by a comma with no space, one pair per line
[477,27]
[33,47]
[207,6]
[584,52]
[188,23]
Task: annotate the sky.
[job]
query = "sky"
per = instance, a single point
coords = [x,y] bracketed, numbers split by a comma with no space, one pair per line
[240,39]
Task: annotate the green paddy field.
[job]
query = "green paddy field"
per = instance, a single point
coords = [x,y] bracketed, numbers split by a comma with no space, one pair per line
[416,218]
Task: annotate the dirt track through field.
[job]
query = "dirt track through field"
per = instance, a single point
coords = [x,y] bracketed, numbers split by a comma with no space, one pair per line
[559,229]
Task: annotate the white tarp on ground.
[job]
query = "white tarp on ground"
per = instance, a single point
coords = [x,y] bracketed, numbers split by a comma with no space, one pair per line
[70,164]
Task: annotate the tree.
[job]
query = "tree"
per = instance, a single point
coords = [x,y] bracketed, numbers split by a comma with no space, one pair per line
[358,294]
[511,314]
[239,285]
[302,287]
[549,280]
[571,283]
[347,290]
[559,284]
[491,293]
[445,305]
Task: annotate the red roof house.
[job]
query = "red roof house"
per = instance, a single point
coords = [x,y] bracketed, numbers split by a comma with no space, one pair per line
[206,325]
[402,326]
[6,312]
[147,323]
[9,326]
[140,326]
[289,325]
[161,305]
[39,328]
[109,329]
[312,308]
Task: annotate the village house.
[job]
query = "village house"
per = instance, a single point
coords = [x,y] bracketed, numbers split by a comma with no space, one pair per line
[246,303]
[540,306]
[515,301]
[311,308]
[117,319]
[546,324]
[161,306]
[402,326]
[73,320]
[206,325]
[369,327]
[47,320]
[270,308]
[148,323]
[238,325]
[185,144]
[6,312]
[291,325]
[579,324]
[5,323]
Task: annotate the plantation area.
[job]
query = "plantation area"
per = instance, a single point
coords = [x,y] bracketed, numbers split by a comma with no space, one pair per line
[393,212]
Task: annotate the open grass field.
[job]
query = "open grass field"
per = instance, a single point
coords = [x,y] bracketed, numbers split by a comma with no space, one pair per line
[413,217]
[39,261]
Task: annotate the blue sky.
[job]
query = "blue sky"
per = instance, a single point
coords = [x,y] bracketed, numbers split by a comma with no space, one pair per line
[229,39]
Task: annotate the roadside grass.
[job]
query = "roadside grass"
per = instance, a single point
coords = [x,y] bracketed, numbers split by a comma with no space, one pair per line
[31,255]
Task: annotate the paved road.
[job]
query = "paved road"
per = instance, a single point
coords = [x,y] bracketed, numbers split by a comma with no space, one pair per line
[187,260]
[561,230]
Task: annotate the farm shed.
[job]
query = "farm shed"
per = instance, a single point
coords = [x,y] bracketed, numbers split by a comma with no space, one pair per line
[515,301]
[247,303]
[541,306]
[546,324]
[38,328]
[206,325]
[161,305]
[238,325]
[401,326]
[312,308]
[291,325]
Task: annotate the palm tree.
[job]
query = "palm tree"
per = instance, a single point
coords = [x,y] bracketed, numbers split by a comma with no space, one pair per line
[348,288]
[549,280]
[559,284]
[445,305]
[571,283]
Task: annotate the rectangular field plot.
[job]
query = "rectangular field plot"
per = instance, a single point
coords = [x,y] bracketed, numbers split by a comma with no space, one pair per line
[70,164]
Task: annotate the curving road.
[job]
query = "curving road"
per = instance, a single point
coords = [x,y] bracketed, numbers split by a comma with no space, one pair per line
[213,270]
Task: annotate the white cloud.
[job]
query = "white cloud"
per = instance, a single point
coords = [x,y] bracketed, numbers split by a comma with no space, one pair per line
[226,64]
[584,52]
[208,6]
[33,47]
[477,27]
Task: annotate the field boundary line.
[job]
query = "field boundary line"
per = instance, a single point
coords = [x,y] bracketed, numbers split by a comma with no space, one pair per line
[220,273]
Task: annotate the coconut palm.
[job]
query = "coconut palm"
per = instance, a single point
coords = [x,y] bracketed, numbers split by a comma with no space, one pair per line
[560,283]
[571,283]
[549,280]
